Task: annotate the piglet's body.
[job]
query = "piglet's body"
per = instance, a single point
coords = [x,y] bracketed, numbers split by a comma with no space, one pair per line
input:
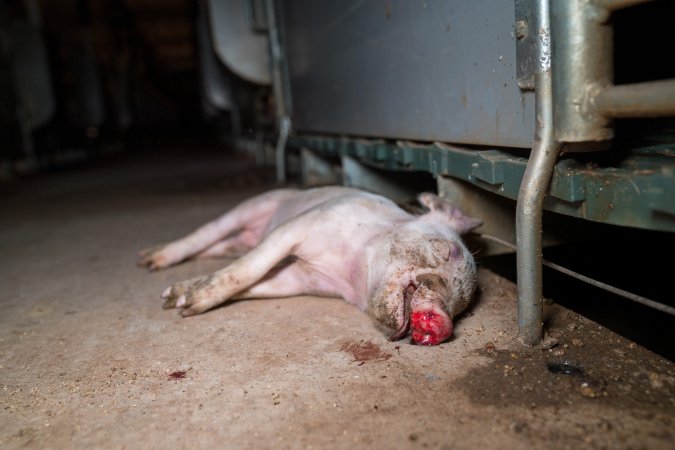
[410,273]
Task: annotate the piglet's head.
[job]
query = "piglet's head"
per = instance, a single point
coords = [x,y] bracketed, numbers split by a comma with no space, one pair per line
[423,299]
[430,322]
[438,294]
[430,278]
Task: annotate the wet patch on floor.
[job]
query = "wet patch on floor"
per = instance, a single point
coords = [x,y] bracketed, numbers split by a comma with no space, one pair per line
[579,362]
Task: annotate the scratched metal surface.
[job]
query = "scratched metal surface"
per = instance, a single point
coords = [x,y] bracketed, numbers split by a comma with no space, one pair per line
[430,71]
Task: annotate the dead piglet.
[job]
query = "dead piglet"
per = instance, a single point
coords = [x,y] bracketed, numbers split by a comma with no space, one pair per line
[411,273]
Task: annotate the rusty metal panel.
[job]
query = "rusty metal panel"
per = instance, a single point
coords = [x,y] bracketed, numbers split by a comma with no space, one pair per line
[428,71]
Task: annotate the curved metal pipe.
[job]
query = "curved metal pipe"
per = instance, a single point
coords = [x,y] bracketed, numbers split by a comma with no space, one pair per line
[532,192]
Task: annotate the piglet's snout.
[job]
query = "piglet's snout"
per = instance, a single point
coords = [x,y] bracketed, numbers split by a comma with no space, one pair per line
[429,324]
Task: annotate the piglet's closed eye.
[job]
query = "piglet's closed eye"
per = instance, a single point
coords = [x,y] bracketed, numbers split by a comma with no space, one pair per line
[457,220]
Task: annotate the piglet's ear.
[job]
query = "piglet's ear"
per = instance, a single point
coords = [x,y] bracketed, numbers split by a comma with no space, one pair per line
[457,220]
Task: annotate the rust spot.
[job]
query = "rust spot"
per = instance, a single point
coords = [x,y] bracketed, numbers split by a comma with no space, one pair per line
[364,351]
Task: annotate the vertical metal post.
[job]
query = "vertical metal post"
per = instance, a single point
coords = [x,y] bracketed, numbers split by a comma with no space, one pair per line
[284,129]
[280,87]
[585,98]
[533,188]
[583,61]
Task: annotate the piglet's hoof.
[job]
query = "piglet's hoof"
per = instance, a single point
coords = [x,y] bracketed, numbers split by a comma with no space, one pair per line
[152,258]
[175,296]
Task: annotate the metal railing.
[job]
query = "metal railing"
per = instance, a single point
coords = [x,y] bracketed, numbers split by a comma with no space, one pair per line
[576,102]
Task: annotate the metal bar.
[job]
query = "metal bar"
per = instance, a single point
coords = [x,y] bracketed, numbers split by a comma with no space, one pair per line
[280,87]
[583,62]
[533,188]
[284,129]
[613,5]
[632,194]
[276,56]
[588,280]
[585,98]
[614,290]
[651,99]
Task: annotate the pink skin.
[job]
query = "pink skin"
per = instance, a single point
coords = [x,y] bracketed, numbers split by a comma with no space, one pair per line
[411,273]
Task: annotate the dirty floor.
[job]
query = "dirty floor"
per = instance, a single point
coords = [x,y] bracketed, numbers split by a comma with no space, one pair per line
[88,359]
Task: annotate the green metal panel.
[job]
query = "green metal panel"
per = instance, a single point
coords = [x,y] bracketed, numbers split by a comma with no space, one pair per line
[638,192]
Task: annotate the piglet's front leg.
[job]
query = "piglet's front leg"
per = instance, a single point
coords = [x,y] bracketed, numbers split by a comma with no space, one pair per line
[201,294]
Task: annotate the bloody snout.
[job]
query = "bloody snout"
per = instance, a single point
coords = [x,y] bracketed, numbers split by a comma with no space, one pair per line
[430,324]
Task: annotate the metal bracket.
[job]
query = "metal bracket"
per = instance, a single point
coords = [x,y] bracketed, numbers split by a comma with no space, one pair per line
[526,45]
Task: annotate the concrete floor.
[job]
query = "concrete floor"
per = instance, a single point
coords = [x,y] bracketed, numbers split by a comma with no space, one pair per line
[88,359]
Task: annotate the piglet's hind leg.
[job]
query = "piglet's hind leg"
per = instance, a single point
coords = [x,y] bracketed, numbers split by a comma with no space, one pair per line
[253,214]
